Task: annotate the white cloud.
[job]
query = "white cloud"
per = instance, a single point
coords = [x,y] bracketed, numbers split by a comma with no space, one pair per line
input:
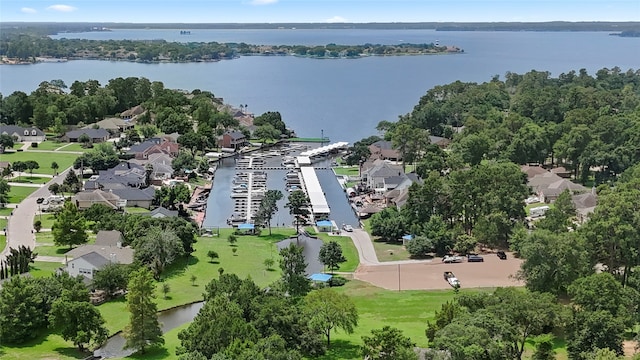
[62,8]
[263,2]
[336,19]
[28,10]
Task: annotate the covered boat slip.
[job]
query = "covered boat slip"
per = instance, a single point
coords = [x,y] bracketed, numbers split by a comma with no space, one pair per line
[319,205]
[327,149]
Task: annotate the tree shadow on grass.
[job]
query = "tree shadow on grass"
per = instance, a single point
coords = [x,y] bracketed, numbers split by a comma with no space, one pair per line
[152,354]
[341,349]
[179,267]
[72,352]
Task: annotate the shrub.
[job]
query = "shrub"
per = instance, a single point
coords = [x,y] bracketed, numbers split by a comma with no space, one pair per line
[337,281]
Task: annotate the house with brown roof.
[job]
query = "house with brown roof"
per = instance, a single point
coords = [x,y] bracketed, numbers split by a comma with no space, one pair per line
[154,146]
[585,204]
[549,186]
[115,126]
[384,150]
[382,176]
[441,142]
[88,259]
[233,140]
[532,171]
[133,113]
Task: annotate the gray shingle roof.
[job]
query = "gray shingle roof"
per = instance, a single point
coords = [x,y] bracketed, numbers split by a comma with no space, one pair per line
[134,194]
[108,237]
[91,133]
[14,129]
[163,212]
[95,259]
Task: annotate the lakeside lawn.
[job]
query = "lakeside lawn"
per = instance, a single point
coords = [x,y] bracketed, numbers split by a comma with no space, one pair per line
[44,159]
[390,251]
[19,193]
[349,250]
[347,170]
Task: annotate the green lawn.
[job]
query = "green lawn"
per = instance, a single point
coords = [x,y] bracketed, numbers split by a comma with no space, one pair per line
[19,193]
[43,158]
[74,147]
[44,268]
[46,219]
[31,179]
[348,250]
[3,224]
[390,252]
[347,170]
[3,242]
[136,210]
[48,346]
[45,245]
[6,211]
[48,145]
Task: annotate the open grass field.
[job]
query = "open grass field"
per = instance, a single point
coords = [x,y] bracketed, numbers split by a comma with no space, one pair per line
[19,193]
[6,211]
[31,179]
[43,158]
[390,252]
[48,145]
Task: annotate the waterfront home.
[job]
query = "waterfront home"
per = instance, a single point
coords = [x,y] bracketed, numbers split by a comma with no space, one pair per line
[161,167]
[23,134]
[381,176]
[89,259]
[233,140]
[143,150]
[95,135]
[136,197]
[383,150]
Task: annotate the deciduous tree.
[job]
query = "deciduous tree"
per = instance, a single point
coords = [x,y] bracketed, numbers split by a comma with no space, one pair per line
[331,255]
[78,321]
[328,310]
[70,227]
[388,343]
[293,268]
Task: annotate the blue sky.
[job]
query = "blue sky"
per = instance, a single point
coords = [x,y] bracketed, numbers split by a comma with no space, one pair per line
[251,11]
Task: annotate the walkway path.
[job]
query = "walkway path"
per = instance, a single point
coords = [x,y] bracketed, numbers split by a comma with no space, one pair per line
[20,225]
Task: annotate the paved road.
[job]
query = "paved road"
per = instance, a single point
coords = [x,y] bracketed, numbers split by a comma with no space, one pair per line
[20,225]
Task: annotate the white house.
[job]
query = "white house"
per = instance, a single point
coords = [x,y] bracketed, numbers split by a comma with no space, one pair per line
[86,265]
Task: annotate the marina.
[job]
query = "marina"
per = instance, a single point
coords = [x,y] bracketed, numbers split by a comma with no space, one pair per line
[240,183]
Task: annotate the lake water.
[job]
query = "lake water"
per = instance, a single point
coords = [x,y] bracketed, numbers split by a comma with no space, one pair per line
[345,98]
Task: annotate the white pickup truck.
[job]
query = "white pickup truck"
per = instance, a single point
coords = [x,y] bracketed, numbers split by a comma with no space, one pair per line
[451,279]
[448,259]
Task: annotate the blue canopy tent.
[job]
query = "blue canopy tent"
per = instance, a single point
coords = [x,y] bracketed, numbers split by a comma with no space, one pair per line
[247,228]
[406,239]
[320,277]
[324,225]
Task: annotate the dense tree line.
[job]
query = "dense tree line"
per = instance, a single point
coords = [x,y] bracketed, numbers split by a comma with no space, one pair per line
[28,47]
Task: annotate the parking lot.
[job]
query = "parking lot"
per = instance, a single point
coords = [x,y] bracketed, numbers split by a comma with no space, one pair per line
[493,272]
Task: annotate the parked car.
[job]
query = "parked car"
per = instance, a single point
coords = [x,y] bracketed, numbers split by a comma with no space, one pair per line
[451,279]
[474,258]
[448,259]
[502,255]
[39,200]
[347,228]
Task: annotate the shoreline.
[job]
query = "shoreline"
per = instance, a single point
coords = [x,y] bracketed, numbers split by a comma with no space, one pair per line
[8,61]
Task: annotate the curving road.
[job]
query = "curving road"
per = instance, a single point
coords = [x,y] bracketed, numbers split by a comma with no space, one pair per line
[20,224]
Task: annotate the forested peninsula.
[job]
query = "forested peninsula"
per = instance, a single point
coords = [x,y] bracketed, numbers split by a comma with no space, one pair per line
[28,48]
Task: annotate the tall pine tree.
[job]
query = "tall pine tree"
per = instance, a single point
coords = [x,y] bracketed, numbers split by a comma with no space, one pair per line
[143,329]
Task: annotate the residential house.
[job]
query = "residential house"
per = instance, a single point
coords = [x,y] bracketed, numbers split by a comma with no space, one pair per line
[109,238]
[135,197]
[115,126]
[161,165]
[400,194]
[233,140]
[532,171]
[440,141]
[132,113]
[154,146]
[562,172]
[88,259]
[162,212]
[4,165]
[23,134]
[125,173]
[384,150]
[382,176]
[85,199]
[96,135]
[549,186]
[585,204]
